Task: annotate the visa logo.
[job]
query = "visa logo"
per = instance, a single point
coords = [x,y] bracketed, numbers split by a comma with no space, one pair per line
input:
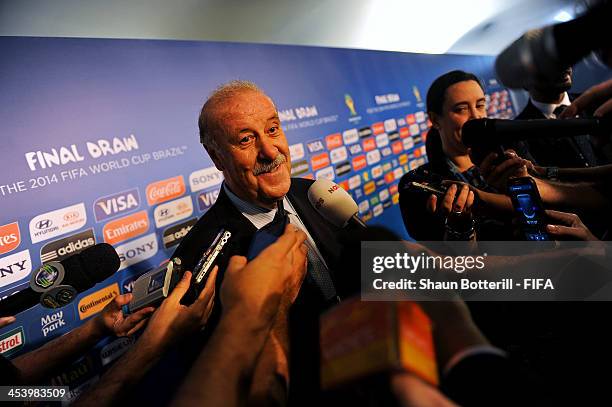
[315,146]
[116,204]
[206,199]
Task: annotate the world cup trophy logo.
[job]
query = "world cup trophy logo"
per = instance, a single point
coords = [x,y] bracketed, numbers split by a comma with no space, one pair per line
[350,104]
[417,94]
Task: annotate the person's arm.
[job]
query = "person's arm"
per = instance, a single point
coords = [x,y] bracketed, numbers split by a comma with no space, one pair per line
[598,96]
[252,295]
[565,195]
[171,321]
[38,364]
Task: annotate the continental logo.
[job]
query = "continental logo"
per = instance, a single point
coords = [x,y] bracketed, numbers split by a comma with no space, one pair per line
[369,187]
[12,341]
[10,237]
[66,247]
[126,228]
[165,190]
[404,132]
[94,303]
[120,203]
[174,234]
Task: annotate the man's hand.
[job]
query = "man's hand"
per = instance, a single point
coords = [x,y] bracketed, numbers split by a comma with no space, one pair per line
[173,320]
[112,321]
[4,321]
[599,96]
[270,280]
[458,198]
[497,175]
[570,226]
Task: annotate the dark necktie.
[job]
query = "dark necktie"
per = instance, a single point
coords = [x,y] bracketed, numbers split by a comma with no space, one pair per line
[558,110]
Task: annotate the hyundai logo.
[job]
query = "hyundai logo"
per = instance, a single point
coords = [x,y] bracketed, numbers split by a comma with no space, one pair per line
[44,224]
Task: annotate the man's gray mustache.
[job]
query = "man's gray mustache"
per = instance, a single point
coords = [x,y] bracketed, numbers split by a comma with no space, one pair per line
[261,168]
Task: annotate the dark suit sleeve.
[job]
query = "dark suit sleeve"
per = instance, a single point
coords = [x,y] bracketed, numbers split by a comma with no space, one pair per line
[489,379]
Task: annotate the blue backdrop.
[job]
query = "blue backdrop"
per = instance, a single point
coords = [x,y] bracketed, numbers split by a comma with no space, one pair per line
[100,143]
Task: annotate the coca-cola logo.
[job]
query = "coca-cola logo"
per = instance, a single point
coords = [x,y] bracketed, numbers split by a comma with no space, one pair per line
[165,190]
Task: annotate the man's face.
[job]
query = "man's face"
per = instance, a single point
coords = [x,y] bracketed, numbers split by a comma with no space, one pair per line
[556,84]
[252,149]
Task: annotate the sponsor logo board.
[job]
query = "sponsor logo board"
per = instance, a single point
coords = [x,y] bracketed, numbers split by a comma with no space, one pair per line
[206,199]
[198,180]
[296,151]
[167,189]
[60,249]
[125,228]
[95,302]
[173,211]
[137,250]
[350,136]
[10,237]
[174,234]
[113,205]
[58,222]
[12,341]
[15,267]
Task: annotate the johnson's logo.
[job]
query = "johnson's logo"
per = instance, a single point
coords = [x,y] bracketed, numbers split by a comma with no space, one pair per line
[165,190]
[10,237]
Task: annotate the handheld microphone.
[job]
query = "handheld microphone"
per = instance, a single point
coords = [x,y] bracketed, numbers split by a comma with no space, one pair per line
[480,132]
[56,284]
[334,204]
[544,52]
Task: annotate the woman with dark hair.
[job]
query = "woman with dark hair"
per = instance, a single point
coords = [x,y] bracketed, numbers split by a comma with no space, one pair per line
[453,99]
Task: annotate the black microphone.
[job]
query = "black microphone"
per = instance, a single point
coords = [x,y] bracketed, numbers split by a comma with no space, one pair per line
[334,204]
[489,132]
[56,284]
[545,52]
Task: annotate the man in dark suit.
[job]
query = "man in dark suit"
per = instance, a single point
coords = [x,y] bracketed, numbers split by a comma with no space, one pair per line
[241,131]
[547,100]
